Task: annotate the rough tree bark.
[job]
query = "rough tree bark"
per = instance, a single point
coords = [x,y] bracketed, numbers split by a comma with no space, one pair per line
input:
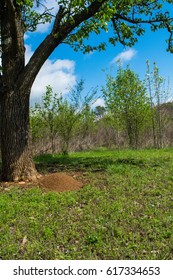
[17,162]
[15,140]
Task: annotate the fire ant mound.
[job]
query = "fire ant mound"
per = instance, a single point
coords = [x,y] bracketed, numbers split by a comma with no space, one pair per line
[59,182]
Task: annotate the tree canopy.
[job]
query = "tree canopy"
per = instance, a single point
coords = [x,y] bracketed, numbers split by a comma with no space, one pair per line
[127,102]
[127,17]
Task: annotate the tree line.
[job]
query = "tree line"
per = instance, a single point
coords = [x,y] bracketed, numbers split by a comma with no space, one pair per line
[137,114]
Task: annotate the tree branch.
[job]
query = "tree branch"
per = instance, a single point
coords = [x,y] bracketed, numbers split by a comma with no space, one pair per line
[138,21]
[59,16]
[156,22]
[58,34]
[170,43]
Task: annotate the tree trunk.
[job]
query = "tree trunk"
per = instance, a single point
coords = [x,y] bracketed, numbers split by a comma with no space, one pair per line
[17,161]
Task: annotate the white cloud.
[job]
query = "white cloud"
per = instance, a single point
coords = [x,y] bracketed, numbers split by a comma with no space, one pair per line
[99,102]
[124,56]
[60,74]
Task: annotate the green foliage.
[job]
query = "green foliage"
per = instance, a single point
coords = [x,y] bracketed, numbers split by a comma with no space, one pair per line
[134,111]
[128,19]
[44,116]
[67,118]
[159,94]
[127,103]
[99,111]
[30,17]
[87,122]
[63,117]
[28,3]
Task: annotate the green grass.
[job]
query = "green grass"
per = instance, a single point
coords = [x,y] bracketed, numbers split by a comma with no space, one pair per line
[126,212]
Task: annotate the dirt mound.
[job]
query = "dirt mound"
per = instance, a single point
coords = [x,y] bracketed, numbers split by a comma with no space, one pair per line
[59,182]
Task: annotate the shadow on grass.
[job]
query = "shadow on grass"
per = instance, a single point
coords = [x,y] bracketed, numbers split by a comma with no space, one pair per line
[54,163]
[50,163]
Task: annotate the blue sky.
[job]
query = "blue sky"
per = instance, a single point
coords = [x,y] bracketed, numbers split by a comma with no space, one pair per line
[65,67]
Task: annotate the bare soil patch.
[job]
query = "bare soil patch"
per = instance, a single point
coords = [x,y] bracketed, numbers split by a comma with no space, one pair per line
[57,182]
[60,182]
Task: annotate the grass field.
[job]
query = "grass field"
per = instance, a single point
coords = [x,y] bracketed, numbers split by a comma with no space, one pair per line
[125,211]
